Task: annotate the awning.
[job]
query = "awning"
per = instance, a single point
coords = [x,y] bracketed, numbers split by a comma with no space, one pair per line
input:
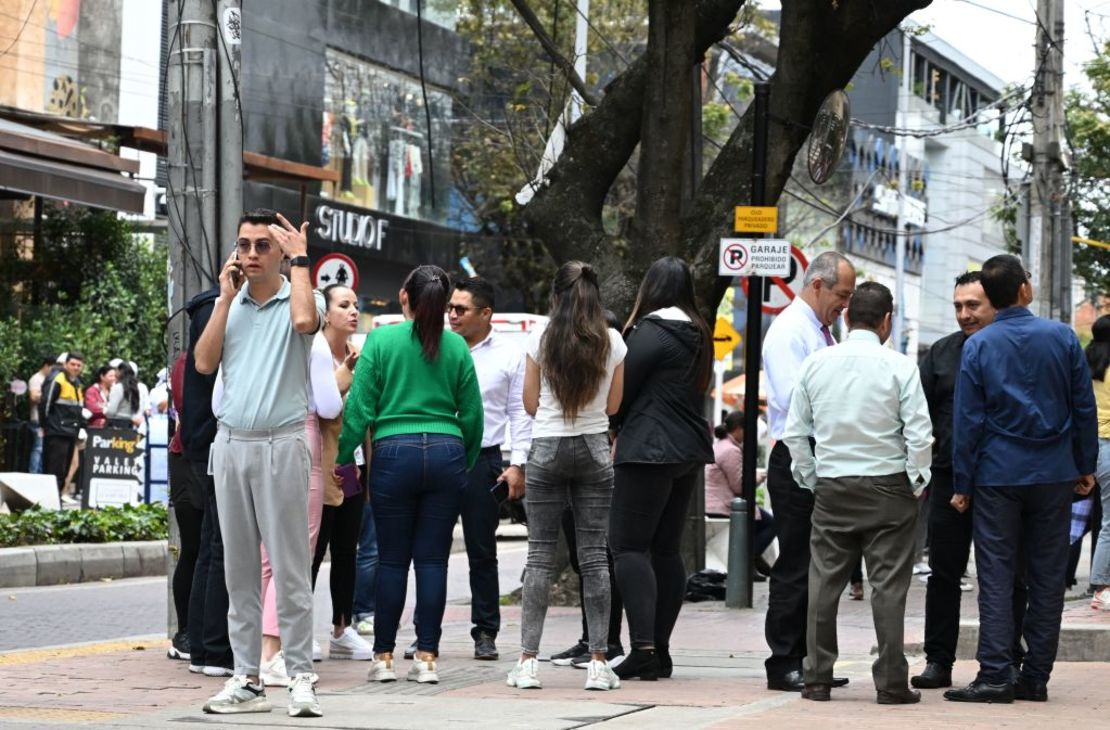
[36,162]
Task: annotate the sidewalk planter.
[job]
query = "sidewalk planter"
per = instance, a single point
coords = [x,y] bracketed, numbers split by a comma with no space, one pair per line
[47,565]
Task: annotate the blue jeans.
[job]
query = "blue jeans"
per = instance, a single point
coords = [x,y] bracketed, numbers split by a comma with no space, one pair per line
[1100,567]
[416,485]
[366,566]
[35,465]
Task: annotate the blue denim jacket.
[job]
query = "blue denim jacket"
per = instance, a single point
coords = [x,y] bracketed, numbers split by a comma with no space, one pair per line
[1024,409]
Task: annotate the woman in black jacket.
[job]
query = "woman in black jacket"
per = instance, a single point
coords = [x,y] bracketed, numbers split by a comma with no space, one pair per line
[663,443]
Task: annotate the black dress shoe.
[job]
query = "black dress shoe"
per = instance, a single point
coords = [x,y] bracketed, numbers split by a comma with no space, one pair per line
[1030,690]
[982,692]
[898,697]
[933,676]
[640,664]
[840,682]
[484,648]
[789,682]
[666,664]
[816,692]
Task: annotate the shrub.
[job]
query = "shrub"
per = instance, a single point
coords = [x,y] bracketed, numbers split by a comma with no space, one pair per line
[37,526]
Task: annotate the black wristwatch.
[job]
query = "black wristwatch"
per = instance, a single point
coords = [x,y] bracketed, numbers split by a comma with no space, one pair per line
[300,261]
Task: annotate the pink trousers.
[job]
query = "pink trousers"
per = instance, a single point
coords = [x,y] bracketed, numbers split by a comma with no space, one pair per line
[315,513]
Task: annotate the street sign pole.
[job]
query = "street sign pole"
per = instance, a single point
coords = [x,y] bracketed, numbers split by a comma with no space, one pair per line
[754,336]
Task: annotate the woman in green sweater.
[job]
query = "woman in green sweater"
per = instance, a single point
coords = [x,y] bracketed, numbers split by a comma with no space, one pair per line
[415,390]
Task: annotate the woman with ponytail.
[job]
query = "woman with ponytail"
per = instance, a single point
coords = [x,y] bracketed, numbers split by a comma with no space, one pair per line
[1098,360]
[416,392]
[125,400]
[573,381]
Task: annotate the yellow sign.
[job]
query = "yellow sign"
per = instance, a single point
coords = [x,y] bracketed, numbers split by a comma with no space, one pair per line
[725,338]
[757,219]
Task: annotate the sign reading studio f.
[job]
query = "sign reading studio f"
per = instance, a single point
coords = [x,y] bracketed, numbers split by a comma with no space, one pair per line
[349,227]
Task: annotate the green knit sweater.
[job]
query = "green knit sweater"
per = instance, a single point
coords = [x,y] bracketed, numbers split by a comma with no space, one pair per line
[397,391]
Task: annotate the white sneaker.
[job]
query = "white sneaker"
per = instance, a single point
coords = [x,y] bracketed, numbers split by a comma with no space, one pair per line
[382,670]
[273,674]
[196,668]
[525,675]
[599,675]
[217,672]
[1101,600]
[317,653]
[238,695]
[365,627]
[965,586]
[350,646]
[922,569]
[302,697]
[423,672]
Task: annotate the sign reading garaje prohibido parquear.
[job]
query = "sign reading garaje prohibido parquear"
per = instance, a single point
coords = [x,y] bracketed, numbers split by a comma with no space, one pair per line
[754,257]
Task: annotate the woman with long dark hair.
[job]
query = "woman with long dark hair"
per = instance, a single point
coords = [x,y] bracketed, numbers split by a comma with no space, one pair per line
[663,442]
[416,391]
[1098,359]
[572,383]
[96,397]
[125,400]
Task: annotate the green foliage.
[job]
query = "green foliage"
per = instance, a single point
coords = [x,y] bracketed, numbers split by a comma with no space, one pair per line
[93,287]
[111,524]
[1088,116]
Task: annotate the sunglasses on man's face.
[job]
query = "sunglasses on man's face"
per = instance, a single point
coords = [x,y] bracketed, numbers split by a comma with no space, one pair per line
[459,309]
[262,247]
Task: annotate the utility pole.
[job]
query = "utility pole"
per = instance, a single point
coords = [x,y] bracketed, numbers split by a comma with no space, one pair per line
[904,98]
[1050,249]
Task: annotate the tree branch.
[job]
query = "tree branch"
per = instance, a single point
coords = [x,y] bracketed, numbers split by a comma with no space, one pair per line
[529,16]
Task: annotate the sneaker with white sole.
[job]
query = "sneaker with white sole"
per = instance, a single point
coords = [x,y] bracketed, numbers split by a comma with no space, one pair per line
[382,669]
[273,673]
[302,697]
[1101,600]
[238,695]
[210,671]
[317,652]
[423,672]
[196,668]
[525,675]
[566,658]
[600,676]
[350,645]
[922,568]
[365,626]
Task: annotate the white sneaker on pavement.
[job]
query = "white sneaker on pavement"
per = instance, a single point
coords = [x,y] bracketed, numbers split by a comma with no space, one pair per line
[922,568]
[350,646]
[237,696]
[382,670]
[600,676]
[525,675]
[365,626]
[217,672]
[302,697]
[317,653]
[1101,600]
[423,672]
[272,673]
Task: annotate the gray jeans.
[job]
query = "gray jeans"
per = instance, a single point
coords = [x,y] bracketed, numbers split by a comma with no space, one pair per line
[578,470]
[262,495]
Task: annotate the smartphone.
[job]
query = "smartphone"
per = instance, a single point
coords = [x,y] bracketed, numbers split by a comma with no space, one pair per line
[500,491]
[236,280]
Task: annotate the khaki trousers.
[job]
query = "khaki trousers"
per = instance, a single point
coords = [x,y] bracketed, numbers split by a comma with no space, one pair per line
[872,517]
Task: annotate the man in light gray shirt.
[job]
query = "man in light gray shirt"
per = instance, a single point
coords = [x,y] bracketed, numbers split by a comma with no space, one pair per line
[864,406]
[260,336]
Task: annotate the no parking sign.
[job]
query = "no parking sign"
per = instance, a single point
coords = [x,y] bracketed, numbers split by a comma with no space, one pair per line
[779,291]
[335,268]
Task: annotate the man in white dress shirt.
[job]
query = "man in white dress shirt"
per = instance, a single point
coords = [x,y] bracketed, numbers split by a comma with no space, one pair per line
[865,409]
[499,365]
[801,329]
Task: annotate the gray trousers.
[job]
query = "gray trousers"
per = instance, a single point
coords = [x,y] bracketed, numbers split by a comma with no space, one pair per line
[262,495]
[874,517]
[578,470]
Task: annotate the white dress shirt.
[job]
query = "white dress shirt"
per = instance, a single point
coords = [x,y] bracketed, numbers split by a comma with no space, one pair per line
[499,365]
[792,337]
[865,407]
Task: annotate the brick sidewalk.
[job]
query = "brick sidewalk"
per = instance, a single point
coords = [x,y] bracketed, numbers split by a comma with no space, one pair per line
[718,683]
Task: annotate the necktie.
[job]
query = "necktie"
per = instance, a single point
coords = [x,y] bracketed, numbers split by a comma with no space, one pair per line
[828,335]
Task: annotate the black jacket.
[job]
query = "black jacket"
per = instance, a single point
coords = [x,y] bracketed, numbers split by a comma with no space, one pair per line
[660,419]
[61,404]
[198,424]
[940,367]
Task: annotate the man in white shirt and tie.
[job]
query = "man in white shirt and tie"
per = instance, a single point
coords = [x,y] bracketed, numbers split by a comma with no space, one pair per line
[801,329]
[865,409]
[499,365]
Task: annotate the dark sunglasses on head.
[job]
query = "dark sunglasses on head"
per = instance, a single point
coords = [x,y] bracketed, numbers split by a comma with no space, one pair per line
[262,247]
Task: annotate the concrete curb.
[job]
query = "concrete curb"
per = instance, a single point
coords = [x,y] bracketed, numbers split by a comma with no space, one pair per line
[48,565]
[1079,642]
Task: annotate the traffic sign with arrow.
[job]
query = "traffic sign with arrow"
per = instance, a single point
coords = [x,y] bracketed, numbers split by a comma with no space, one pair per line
[725,338]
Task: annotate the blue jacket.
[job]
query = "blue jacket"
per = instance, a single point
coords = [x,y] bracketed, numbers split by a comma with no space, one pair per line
[1024,409]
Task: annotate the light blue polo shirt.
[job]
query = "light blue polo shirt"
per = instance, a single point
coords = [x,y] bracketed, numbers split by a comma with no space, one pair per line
[265,363]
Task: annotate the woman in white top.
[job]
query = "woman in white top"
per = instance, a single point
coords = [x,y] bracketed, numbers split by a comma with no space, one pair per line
[573,381]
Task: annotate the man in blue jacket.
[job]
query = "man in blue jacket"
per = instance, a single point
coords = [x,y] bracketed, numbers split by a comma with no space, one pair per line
[1025,437]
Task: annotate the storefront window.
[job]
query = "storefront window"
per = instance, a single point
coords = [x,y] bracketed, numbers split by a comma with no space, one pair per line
[440,12]
[376,136]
